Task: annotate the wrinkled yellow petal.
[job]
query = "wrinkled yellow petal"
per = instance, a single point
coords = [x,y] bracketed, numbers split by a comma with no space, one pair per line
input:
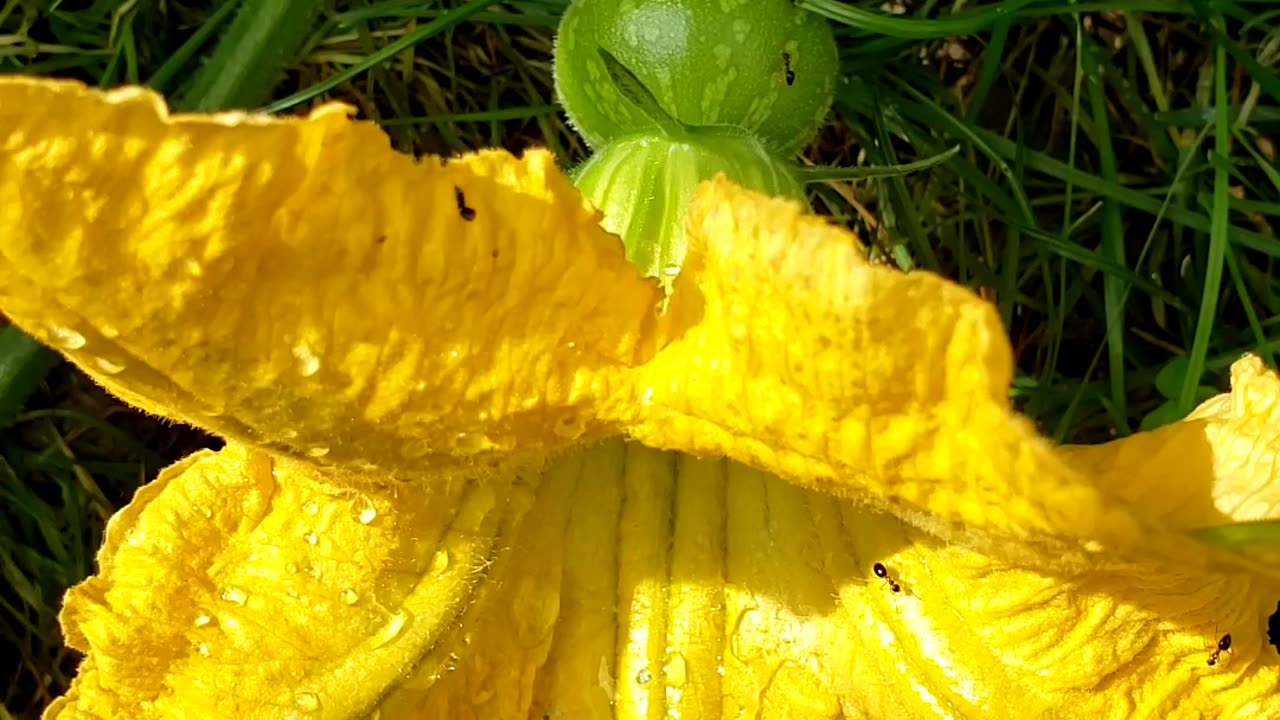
[238,586]
[257,303]
[740,595]
[1220,465]
[621,582]
[802,358]
[309,291]
[297,285]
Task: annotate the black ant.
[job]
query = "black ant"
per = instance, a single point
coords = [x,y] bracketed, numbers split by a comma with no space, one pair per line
[786,63]
[883,573]
[467,213]
[1273,628]
[1224,645]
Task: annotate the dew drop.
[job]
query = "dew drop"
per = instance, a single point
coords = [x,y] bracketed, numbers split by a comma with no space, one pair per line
[415,449]
[318,452]
[311,537]
[675,670]
[314,571]
[66,338]
[311,507]
[644,677]
[395,625]
[349,596]
[107,366]
[440,561]
[308,361]
[307,701]
[203,620]
[473,443]
[203,649]
[367,515]
[235,596]
[569,427]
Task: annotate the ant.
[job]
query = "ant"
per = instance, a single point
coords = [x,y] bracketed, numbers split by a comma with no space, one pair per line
[1224,645]
[883,573]
[467,213]
[786,63]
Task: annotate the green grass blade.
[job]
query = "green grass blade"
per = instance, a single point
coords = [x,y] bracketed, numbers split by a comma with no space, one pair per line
[442,24]
[1113,287]
[250,56]
[24,362]
[1217,237]
[496,115]
[879,23]
[163,77]
[827,174]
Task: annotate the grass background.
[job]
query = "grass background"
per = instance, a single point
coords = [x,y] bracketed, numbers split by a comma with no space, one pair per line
[1115,193]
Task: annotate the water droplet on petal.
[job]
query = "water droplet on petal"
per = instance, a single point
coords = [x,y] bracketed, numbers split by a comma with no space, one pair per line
[203,649]
[644,677]
[307,701]
[349,596]
[569,427]
[235,596]
[473,443]
[308,361]
[395,625]
[676,672]
[203,620]
[66,338]
[107,366]
[415,449]
[318,452]
[314,571]
[311,537]
[367,515]
[311,507]
[440,561]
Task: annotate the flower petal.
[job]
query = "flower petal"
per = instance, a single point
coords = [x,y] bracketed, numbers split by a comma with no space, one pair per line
[1220,465]
[793,354]
[646,584]
[238,586]
[296,284]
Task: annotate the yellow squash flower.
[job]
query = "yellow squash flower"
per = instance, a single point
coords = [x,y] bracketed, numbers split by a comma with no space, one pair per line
[474,471]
